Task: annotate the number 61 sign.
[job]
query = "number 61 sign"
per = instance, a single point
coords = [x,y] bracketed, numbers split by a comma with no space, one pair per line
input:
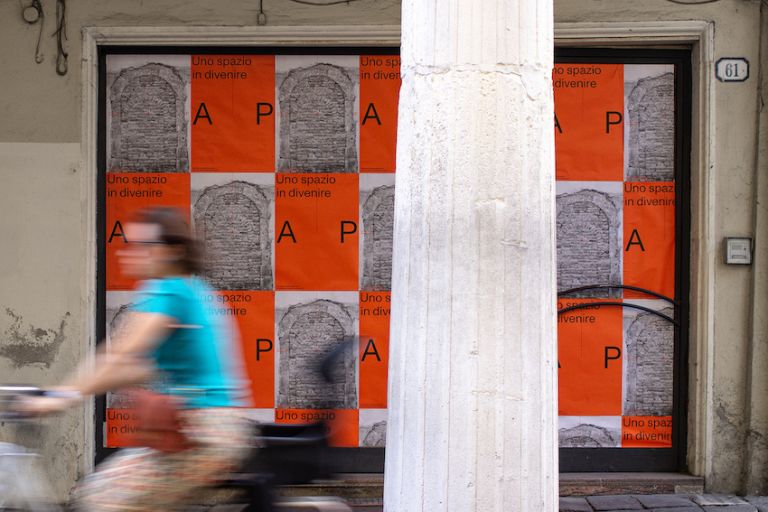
[732,69]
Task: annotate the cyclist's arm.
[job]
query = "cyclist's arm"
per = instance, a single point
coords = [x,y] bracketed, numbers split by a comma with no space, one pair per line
[125,363]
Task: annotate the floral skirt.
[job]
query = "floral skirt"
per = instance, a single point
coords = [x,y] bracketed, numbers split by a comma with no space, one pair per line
[142,479]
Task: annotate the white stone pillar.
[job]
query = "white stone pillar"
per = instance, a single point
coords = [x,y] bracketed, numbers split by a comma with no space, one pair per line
[473,395]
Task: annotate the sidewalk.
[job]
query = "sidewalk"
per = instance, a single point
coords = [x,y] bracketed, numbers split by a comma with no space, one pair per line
[607,492]
[665,503]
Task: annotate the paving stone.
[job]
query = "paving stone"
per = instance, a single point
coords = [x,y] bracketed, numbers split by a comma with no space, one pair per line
[574,504]
[692,508]
[611,503]
[760,502]
[664,500]
[743,507]
[717,499]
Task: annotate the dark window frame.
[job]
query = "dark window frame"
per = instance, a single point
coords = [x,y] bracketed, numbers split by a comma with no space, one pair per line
[371,460]
[654,459]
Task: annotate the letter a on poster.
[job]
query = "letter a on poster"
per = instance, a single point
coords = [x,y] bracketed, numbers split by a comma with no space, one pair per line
[589,130]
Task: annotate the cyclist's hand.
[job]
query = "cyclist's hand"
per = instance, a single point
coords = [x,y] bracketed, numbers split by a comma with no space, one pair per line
[54,401]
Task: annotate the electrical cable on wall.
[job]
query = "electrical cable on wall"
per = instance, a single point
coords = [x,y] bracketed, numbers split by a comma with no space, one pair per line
[62,64]
[692,2]
[31,14]
[320,3]
[261,17]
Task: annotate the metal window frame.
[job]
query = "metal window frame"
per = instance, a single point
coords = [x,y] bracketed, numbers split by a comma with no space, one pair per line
[654,459]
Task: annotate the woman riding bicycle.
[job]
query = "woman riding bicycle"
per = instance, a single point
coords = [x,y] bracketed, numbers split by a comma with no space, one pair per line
[172,343]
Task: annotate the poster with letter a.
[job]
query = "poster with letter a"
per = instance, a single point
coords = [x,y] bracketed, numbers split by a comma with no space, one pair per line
[615,198]
[284,166]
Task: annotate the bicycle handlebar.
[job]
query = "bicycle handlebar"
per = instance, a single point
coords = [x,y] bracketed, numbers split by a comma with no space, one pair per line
[16,390]
[9,397]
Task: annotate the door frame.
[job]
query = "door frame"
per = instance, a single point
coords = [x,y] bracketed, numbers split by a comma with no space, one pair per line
[698,35]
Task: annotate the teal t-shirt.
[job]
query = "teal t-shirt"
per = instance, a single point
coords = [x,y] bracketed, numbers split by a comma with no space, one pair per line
[198,360]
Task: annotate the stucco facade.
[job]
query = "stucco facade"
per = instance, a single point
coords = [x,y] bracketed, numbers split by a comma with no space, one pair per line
[48,209]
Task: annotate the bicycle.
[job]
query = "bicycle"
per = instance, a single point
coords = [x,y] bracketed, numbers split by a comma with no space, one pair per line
[282,455]
[23,485]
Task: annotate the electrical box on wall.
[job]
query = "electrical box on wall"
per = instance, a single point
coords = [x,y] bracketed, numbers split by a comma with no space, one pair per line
[738,251]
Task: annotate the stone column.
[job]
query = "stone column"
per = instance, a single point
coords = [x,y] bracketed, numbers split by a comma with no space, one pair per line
[473,395]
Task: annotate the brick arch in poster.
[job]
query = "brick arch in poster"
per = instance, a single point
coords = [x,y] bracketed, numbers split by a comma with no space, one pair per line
[378,222]
[588,250]
[651,107]
[317,120]
[148,131]
[649,365]
[374,436]
[117,324]
[586,435]
[233,224]
[306,332]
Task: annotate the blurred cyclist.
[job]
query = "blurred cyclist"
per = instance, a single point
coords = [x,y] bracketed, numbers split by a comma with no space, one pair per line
[189,356]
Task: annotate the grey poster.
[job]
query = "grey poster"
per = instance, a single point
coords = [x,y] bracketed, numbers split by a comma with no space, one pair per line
[589,237]
[317,113]
[232,217]
[148,113]
[649,122]
[310,326]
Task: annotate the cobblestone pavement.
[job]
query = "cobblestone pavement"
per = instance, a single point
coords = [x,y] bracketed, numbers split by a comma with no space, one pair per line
[665,503]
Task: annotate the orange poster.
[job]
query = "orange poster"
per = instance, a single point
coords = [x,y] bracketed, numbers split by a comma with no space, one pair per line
[128,193]
[589,121]
[233,113]
[342,423]
[374,348]
[646,431]
[649,237]
[121,428]
[254,313]
[379,95]
[589,359]
[316,231]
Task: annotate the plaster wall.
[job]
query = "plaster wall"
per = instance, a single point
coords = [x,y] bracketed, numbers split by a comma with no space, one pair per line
[756,470]
[41,294]
[39,106]
[45,262]
[727,418]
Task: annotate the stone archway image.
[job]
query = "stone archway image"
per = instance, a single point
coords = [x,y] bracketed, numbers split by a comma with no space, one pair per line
[649,365]
[317,120]
[378,222]
[587,435]
[233,223]
[117,320]
[374,436]
[588,249]
[306,333]
[651,147]
[117,326]
[148,130]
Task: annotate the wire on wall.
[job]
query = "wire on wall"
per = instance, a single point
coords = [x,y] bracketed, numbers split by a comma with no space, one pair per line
[32,14]
[693,2]
[261,17]
[62,64]
[320,3]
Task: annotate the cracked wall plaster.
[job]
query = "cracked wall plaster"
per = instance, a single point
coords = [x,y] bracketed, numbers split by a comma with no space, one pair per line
[26,345]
